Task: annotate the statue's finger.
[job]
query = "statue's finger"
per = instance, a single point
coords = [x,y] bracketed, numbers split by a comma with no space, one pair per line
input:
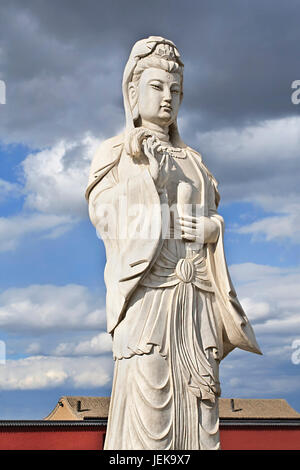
[187,236]
[187,223]
[190,218]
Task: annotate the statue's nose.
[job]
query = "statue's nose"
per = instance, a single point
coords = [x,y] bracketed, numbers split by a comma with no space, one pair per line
[167,95]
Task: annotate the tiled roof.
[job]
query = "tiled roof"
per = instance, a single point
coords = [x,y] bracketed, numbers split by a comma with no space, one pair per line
[85,408]
[235,408]
[89,407]
[80,408]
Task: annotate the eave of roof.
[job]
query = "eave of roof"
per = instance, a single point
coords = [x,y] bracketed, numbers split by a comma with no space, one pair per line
[224,422]
[259,422]
[51,423]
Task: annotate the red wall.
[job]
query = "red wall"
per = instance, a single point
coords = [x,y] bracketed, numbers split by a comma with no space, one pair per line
[54,438]
[260,438]
[92,438]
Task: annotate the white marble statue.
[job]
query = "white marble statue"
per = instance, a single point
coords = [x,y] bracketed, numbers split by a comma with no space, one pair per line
[171,308]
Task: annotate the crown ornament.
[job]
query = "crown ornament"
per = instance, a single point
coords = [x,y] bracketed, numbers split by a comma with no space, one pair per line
[165,51]
[162,48]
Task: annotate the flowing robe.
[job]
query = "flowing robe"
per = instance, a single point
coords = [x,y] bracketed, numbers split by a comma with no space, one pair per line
[171,307]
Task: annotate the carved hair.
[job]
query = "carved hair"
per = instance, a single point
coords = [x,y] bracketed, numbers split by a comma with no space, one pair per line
[156,62]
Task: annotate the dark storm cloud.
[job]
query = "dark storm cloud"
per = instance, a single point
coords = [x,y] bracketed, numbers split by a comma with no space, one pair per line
[63,62]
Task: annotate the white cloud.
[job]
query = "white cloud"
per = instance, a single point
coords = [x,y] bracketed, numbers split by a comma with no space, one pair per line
[98,344]
[248,375]
[248,272]
[55,178]
[271,141]
[40,372]
[54,187]
[274,228]
[271,298]
[8,189]
[48,307]
[255,310]
[259,164]
[14,229]
[34,348]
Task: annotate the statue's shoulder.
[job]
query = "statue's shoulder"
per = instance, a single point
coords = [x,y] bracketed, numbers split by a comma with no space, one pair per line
[109,144]
[105,158]
[106,151]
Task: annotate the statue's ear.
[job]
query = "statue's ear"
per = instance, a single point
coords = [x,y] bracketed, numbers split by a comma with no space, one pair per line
[133,100]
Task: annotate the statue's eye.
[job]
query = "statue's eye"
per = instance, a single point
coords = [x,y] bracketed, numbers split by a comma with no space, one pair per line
[155,86]
[175,91]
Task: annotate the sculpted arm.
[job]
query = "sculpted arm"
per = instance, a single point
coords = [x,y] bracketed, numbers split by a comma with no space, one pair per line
[119,196]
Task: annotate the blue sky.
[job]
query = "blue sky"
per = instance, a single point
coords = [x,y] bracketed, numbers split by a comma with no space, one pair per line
[62,66]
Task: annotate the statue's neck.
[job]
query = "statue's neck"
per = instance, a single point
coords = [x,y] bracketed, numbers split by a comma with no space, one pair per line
[161,132]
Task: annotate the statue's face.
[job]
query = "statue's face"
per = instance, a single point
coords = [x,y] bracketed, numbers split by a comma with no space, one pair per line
[159,96]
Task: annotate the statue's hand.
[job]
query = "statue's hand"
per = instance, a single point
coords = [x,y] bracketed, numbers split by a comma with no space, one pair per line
[198,229]
[134,141]
[158,163]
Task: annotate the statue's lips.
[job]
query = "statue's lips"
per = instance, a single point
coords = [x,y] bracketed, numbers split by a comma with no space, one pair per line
[166,108]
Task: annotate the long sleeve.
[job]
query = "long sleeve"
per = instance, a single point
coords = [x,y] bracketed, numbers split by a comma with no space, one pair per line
[127,216]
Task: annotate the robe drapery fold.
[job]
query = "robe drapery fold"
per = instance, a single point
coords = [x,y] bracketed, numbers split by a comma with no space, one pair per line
[124,266]
[172,310]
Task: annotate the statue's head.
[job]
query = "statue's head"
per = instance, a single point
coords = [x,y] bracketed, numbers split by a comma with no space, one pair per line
[153,84]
